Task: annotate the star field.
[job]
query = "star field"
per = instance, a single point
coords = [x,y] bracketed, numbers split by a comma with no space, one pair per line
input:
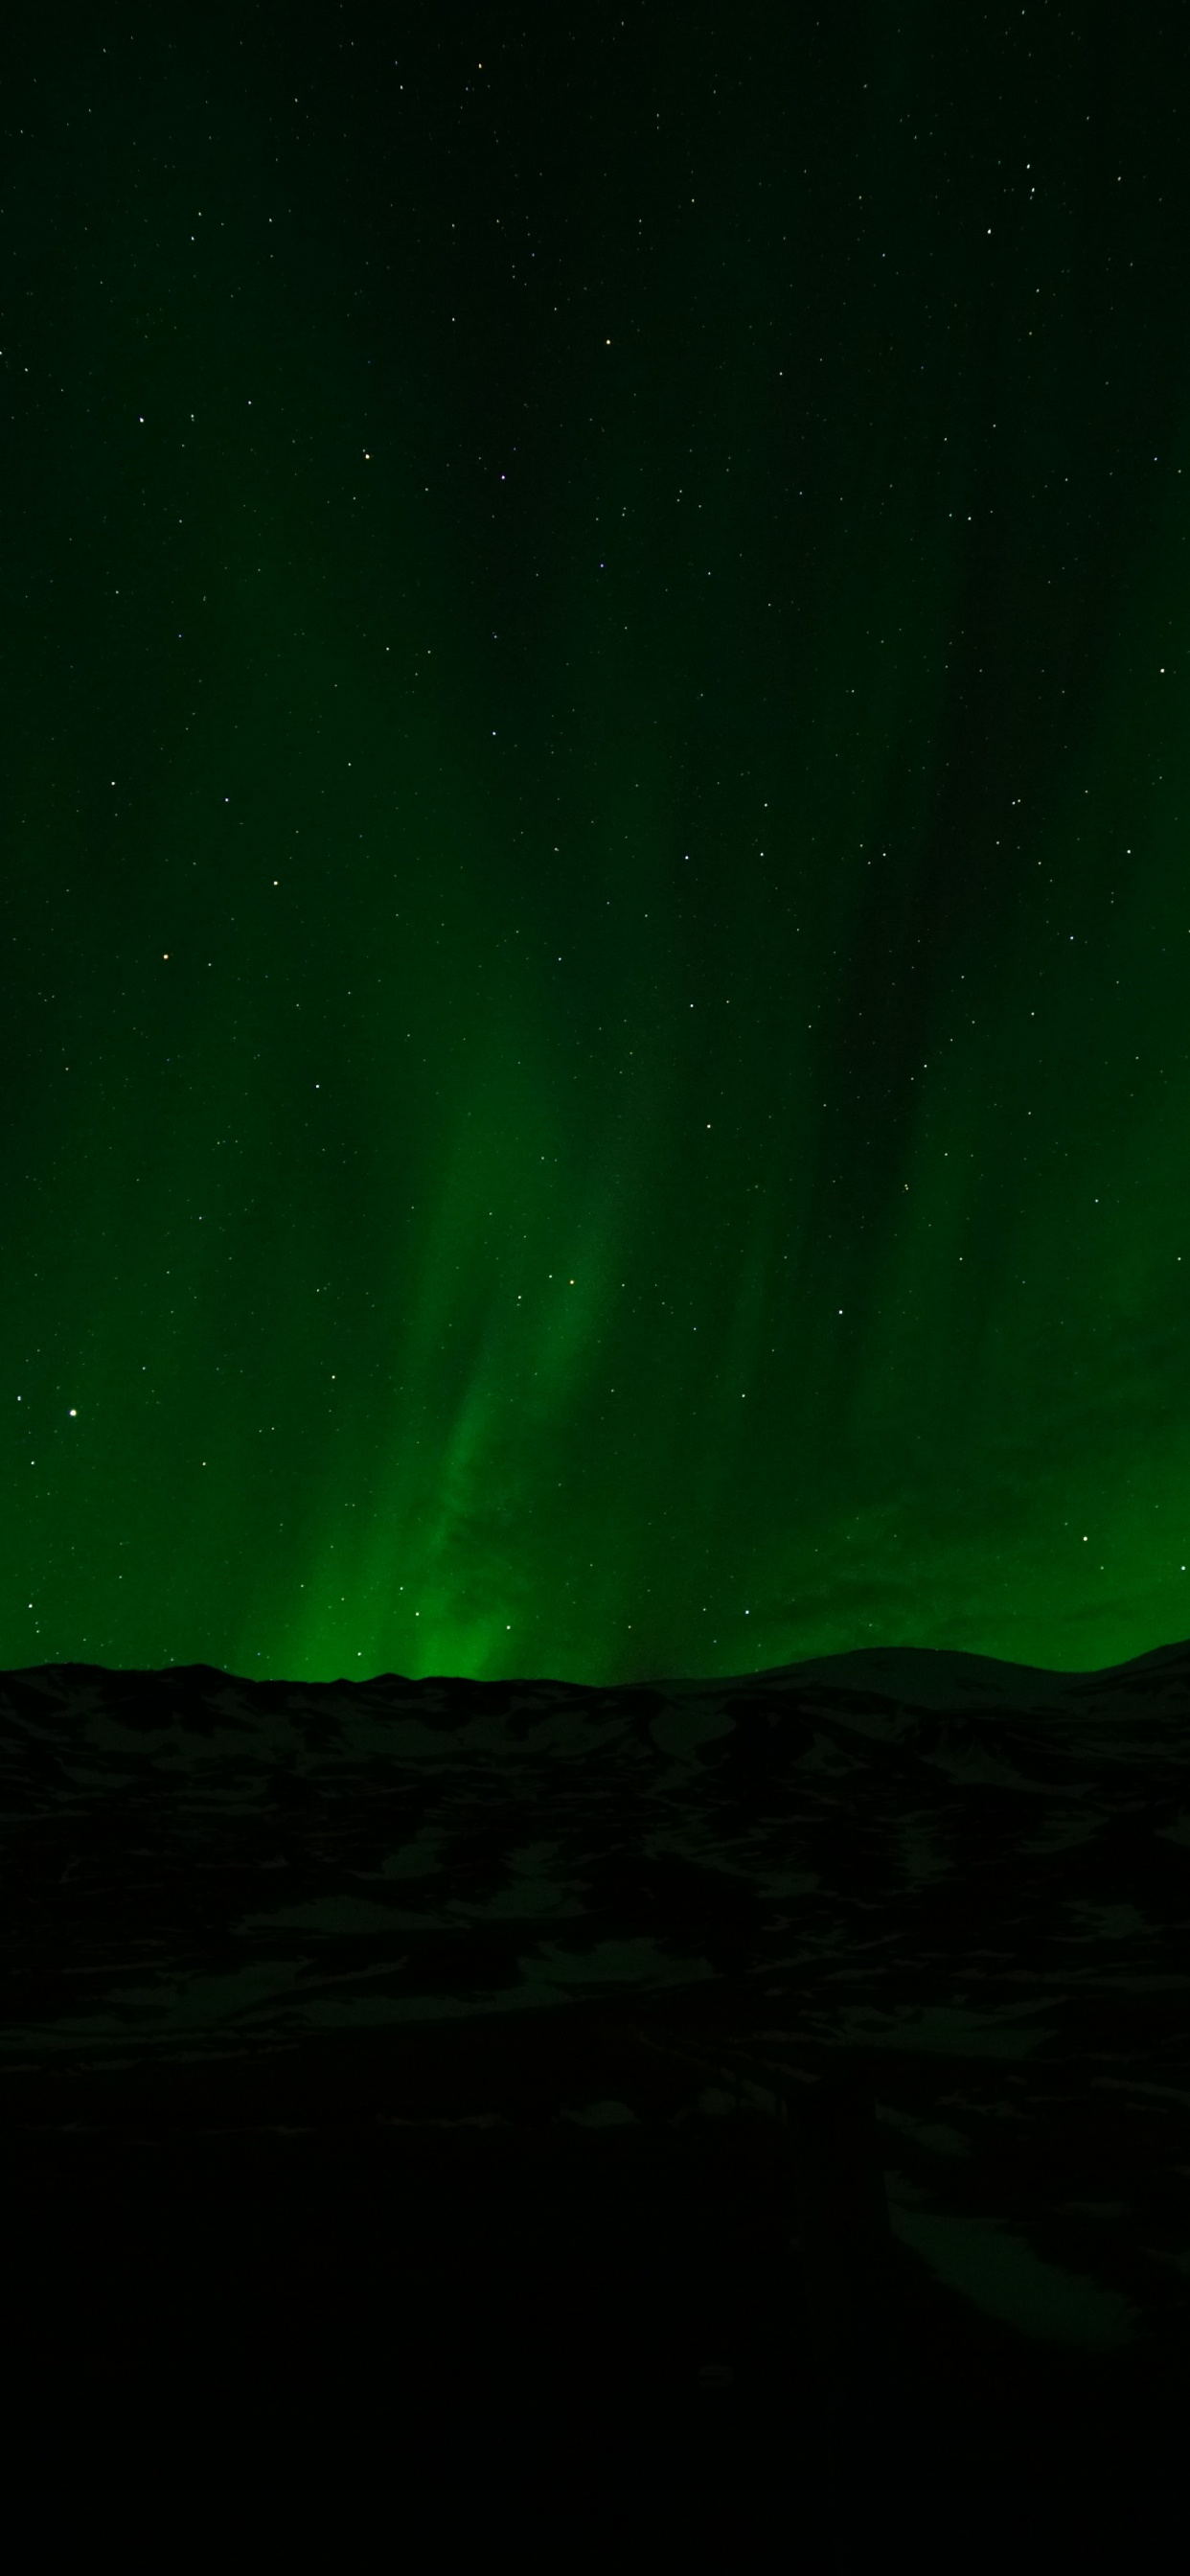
[594,804]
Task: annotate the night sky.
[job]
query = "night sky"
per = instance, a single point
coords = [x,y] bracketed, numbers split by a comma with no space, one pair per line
[595,795]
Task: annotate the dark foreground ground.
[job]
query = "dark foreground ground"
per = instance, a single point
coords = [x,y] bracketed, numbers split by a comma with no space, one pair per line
[741,2124]
[380,2345]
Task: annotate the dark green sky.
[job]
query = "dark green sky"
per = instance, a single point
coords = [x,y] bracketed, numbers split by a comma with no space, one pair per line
[595,801]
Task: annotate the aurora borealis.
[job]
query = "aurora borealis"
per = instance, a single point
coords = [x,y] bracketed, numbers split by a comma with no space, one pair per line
[595,897]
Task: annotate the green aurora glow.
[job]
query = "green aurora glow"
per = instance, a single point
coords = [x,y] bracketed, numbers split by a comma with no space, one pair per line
[595,877]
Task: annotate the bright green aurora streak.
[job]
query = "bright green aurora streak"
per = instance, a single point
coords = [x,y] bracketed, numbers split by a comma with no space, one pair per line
[595,787]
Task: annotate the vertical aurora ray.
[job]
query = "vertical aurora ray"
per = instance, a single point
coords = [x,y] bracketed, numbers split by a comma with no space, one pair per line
[593,801]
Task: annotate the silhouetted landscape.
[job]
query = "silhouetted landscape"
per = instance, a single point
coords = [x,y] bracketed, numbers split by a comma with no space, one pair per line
[680,2095]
